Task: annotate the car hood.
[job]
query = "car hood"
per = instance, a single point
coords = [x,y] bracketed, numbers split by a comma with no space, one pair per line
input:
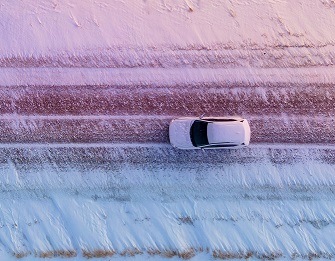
[179,133]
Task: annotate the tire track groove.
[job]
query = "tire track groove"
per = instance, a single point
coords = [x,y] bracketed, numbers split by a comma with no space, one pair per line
[155,130]
[88,100]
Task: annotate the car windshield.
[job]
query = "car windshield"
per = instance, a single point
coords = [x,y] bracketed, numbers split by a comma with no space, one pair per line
[199,133]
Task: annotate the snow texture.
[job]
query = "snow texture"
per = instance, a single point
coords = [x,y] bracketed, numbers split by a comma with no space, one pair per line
[87,91]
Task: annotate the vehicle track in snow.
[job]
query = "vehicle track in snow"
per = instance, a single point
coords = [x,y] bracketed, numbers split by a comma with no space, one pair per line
[96,154]
[109,129]
[217,99]
[193,56]
[282,113]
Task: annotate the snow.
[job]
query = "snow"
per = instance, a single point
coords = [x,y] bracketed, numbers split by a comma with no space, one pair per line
[44,27]
[87,90]
[260,206]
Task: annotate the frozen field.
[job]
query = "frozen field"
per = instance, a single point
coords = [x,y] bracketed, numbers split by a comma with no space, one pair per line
[87,91]
[150,200]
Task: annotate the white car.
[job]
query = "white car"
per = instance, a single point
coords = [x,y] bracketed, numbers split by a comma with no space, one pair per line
[209,133]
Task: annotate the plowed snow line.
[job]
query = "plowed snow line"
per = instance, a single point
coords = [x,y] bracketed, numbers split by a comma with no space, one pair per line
[88,100]
[141,130]
[211,56]
[162,76]
[104,155]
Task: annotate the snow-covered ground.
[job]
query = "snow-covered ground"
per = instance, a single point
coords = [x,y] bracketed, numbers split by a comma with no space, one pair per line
[87,90]
[151,200]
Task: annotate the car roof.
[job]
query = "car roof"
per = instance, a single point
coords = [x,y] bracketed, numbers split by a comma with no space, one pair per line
[222,132]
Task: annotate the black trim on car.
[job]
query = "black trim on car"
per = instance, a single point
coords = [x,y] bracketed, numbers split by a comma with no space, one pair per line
[220,146]
[218,120]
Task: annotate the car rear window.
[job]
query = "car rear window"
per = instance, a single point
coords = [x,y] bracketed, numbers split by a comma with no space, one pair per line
[198,133]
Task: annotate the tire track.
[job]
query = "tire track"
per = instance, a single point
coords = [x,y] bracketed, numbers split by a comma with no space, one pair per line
[155,130]
[110,156]
[212,100]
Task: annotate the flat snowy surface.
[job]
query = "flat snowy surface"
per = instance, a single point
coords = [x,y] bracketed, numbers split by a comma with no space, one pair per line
[46,27]
[87,91]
